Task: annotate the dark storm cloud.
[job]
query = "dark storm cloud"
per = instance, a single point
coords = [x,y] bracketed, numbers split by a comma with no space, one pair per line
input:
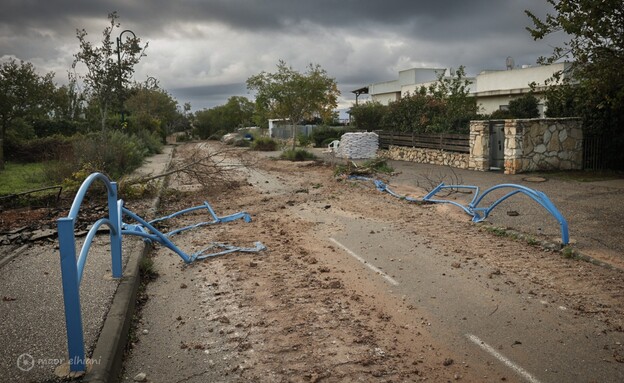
[434,18]
[201,47]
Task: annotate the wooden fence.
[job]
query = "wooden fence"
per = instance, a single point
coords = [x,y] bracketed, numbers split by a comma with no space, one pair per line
[451,142]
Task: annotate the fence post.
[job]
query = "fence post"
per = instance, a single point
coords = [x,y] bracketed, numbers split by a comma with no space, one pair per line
[115,231]
[71,294]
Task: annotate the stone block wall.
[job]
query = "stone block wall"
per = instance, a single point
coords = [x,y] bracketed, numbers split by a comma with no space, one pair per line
[479,158]
[426,156]
[543,144]
[530,145]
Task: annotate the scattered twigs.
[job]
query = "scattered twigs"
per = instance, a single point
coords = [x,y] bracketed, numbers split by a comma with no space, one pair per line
[205,164]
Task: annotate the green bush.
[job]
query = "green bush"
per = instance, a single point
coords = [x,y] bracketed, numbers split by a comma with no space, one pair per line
[297,155]
[37,149]
[378,165]
[323,133]
[264,144]
[304,140]
[150,140]
[113,153]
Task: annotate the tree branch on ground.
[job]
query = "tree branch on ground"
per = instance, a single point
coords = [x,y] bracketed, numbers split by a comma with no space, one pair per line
[431,181]
[206,165]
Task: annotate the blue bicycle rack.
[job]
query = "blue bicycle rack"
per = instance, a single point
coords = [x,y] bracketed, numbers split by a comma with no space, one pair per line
[481,213]
[147,231]
[72,268]
[477,213]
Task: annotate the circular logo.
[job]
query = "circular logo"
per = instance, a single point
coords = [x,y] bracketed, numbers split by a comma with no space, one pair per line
[25,362]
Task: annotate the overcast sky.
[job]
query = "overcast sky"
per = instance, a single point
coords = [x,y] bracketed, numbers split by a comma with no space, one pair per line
[202,51]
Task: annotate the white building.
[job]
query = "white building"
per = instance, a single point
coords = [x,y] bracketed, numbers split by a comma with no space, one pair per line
[493,88]
[410,80]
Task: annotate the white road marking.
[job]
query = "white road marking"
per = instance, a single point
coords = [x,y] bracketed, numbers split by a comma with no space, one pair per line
[486,347]
[373,268]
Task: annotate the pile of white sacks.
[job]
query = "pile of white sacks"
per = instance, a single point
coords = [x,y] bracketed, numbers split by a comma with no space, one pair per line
[358,145]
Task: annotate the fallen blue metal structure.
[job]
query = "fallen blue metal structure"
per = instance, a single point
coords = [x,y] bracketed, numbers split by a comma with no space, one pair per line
[72,268]
[147,231]
[481,213]
[477,213]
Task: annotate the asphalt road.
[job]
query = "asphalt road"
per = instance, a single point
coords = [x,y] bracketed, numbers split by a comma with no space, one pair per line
[498,323]
[521,335]
[495,322]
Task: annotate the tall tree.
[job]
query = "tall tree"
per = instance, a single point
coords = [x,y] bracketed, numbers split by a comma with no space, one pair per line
[109,68]
[68,103]
[295,96]
[460,107]
[595,89]
[23,94]
[368,115]
[151,109]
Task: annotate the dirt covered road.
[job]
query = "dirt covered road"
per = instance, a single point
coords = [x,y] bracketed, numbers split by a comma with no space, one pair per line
[358,286]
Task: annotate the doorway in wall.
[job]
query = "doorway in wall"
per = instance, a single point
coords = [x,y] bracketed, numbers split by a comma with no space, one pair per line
[497,145]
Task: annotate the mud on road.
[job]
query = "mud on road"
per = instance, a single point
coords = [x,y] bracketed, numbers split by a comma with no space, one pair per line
[305,311]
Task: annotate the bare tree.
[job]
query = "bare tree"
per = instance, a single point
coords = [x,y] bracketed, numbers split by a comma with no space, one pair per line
[109,68]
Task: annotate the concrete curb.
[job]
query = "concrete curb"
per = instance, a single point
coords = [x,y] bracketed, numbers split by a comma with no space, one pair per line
[11,256]
[109,349]
[111,344]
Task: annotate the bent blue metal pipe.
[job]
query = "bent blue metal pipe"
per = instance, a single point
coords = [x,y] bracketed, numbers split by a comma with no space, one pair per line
[149,232]
[72,269]
[479,214]
[82,258]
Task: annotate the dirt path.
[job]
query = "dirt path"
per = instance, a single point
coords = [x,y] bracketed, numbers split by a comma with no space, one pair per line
[307,310]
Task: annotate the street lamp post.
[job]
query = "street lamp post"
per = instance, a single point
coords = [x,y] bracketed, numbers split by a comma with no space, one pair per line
[150,83]
[120,71]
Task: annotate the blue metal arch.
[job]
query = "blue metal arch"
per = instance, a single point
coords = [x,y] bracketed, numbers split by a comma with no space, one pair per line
[481,213]
[477,213]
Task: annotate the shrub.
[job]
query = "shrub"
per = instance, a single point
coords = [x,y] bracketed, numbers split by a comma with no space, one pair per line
[378,165]
[321,134]
[38,149]
[304,140]
[113,153]
[264,144]
[297,155]
[150,141]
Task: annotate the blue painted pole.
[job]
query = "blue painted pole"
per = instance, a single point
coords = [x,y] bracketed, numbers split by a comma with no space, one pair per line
[71,294]
[115,232]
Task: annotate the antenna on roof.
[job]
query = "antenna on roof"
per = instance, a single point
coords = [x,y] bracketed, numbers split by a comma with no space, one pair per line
[509,62]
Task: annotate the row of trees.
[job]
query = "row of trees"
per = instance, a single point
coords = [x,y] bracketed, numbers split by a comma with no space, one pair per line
[594,88]
[445,106]
[33,107]
[215,122]
[286,94]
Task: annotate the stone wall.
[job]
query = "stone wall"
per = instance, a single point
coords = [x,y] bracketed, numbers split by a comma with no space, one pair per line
[479,158]
[426,156]
[543,144]
[530,145]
